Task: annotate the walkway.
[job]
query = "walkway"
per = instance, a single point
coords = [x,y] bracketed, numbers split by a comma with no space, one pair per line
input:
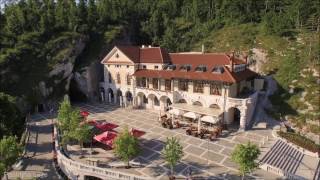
[37,162]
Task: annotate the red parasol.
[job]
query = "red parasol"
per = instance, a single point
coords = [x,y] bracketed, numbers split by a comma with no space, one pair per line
[137,133]
[106,126]
[84,113]
[106,138]
[92,122]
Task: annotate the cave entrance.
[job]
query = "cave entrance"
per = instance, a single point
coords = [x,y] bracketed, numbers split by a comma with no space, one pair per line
[75,93]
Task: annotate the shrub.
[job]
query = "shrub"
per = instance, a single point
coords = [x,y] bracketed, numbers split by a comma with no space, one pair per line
[300,141]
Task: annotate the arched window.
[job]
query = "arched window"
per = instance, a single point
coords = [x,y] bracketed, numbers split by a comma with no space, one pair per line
[118,79]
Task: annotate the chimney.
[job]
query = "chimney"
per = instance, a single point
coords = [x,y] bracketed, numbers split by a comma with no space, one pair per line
[143,46]
[232,59]
[202,49]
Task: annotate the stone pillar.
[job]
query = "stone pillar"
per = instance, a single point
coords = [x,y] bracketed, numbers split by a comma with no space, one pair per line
[243,119]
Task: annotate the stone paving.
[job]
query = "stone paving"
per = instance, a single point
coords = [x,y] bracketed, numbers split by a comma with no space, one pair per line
[207,159]
[37,162]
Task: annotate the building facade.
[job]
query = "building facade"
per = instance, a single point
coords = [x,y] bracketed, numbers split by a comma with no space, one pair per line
[207,84]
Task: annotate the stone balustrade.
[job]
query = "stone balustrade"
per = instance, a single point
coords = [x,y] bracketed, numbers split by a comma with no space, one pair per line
[77,170]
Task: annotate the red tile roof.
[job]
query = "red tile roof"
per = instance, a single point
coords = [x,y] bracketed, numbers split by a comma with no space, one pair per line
[145,55]
[226,76]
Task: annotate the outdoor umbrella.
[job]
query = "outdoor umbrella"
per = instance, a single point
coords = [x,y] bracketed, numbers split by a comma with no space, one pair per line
[137,133]
[84,113]
[106,126]
[106,138]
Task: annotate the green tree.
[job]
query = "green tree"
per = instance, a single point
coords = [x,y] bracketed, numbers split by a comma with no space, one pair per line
[11,121]
[126,146]
[172,152]
[245,155]
[9,153]
[65,115]
[82,134]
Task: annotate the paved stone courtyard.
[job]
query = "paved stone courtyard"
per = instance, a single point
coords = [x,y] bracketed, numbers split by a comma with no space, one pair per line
[206,159]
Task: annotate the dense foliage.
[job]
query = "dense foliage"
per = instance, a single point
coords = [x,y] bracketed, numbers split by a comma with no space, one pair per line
[11,121]
[126,146]
[300,141]
[9,153]
[245,156]
[36,35]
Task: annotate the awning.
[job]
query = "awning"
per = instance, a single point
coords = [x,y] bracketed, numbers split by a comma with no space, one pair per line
[176,112]
[198,109]
[191,115]
[209,119]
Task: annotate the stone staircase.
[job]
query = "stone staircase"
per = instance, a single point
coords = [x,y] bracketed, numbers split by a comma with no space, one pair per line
[283,156]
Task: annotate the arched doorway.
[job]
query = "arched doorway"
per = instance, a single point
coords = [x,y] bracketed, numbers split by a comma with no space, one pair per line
[141,100]
[119,97]
[110,95]
[197,103]
[152,101]
[129,97]
[234,115]
[102,95]
[165,102]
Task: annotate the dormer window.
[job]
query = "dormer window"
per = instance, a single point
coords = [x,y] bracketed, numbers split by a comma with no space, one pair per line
[185,67]
[218,70]
[170,67]
[201,68]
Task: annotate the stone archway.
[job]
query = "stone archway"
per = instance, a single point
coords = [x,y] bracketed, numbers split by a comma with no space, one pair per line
[110,95]
[152,101]
[182,101]
[102,94]
[215,106]
[142,100]
[119,97]
[234,118]
[129,96]
[87,177]
[197,103]
[165,102]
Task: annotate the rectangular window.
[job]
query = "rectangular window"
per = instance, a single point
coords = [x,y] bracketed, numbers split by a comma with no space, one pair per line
[144,82]
[198,87]
[129,77]
[215,89]
[183,85]
[155,84]
[144,67]
[167,85]
[127,66]
[118,79]
[156,67]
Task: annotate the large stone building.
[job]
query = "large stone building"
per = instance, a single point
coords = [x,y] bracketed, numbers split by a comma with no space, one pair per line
[218,86]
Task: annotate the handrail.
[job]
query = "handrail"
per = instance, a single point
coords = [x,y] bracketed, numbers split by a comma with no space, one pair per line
[68,165]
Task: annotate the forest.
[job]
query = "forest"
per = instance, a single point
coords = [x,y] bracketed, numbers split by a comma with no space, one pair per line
[35,35]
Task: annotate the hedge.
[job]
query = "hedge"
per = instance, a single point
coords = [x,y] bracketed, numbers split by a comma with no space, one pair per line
[300,141]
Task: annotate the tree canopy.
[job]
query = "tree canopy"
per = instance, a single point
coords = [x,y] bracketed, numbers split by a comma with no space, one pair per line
[126,146]
[245,155]
[172,152]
